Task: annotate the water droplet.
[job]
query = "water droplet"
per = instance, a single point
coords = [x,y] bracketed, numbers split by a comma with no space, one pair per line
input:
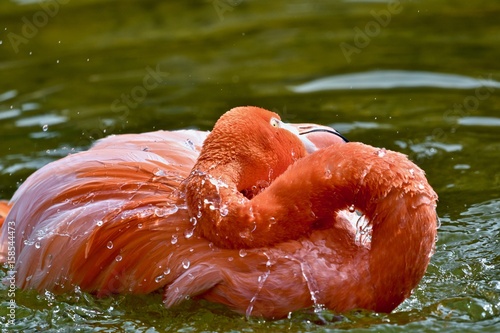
[352,208]
[159,278]
[381,152]
[412,172]
[139,226]
[159,173]
[160,212]
[167,271]
[230,259]
[193,220]
[328,174]
[118,258]
[190,144]
[243,253]
[99,223]
[110,245]
[37,245]
[188,233]
[164,211]
[421,186]
[174,239]
[45,127]
[186,264]
[224,211]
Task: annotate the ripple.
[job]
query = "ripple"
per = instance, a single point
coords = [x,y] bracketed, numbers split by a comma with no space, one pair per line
[347,127]
[479,121]
[46,119]
[6,114]
[389,79]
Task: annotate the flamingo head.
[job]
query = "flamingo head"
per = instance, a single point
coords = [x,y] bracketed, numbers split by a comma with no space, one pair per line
[255,146]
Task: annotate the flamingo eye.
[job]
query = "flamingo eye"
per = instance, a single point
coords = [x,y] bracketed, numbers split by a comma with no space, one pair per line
[275,123]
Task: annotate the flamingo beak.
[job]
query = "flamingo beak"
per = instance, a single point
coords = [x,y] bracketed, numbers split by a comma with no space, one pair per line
[315,136]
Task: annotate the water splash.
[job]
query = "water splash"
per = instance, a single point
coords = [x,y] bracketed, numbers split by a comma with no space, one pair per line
[261,280]
[260,284]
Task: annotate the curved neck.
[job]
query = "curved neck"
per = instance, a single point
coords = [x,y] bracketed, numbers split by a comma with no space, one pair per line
[385,186]
[228,218]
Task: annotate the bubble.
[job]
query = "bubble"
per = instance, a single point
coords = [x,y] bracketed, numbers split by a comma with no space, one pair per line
[109,245]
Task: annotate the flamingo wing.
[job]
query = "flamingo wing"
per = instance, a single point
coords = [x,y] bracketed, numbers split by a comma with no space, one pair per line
[78,217]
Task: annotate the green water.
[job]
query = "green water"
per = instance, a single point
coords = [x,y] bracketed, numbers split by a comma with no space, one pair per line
[72,72]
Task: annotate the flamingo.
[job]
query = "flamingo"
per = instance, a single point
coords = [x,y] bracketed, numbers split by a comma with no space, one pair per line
[262,216]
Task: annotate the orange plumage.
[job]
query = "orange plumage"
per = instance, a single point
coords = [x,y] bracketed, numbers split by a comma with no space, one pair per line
[260,216]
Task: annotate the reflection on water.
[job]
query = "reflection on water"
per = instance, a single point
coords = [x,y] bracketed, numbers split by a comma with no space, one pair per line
[58,93]
[389,79]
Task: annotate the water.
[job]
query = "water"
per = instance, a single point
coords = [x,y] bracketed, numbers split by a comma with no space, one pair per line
[420,77]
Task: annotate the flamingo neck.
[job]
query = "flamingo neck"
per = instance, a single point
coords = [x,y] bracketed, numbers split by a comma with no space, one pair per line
[232,212]
[390,191]
[394,195]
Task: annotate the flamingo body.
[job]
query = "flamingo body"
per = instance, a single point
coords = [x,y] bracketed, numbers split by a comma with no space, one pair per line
[135,213]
